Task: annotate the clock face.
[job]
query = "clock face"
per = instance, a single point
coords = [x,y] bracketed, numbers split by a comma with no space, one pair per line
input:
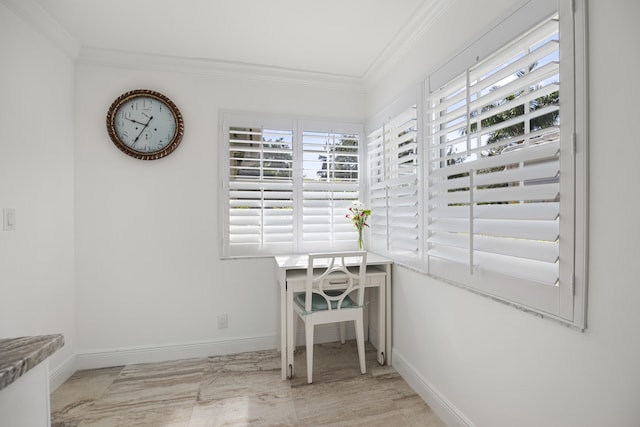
[145,124]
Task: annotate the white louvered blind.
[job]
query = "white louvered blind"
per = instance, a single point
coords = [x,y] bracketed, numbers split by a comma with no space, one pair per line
[260,190]
[330,183]
[287,184]
[494,173]
[392,159]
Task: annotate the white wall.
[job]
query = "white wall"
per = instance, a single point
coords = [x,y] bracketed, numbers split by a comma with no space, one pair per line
[37,294]
[146,236]
[493,365]
[150,278]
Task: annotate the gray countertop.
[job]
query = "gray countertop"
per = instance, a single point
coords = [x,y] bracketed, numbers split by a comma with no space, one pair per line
[19,355]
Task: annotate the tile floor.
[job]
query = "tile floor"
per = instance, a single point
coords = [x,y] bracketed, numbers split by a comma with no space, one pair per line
[242,390]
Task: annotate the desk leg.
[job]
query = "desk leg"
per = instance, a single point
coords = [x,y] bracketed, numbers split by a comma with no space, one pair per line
[291,345]
[283,324]
[366,316]
[382,323]
[388,325]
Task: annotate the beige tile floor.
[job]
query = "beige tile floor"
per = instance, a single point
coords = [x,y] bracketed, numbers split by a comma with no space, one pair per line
[242,390]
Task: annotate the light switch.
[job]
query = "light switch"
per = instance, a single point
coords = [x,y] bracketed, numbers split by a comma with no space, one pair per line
[8,219]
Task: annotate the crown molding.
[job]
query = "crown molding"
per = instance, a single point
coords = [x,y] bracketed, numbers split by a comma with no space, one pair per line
[405,39]
[33,15]
[228,69]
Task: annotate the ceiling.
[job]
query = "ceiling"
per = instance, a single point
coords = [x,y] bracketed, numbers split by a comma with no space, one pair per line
[346,38]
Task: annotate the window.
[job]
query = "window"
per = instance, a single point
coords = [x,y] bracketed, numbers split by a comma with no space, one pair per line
[287,184]
[393,161]
[502,196]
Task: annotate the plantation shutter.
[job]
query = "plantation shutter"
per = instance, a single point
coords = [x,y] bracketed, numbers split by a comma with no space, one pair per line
[379,219]
[494,173]
[330,183]
[260,190]
[393,187]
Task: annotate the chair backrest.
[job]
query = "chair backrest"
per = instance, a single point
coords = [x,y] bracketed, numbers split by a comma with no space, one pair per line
[333,276]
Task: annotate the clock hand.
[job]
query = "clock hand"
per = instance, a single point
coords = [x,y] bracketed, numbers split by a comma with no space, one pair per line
[142,130]
[134,121]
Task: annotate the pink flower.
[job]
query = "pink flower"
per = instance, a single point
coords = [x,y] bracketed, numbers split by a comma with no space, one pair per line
[358,215]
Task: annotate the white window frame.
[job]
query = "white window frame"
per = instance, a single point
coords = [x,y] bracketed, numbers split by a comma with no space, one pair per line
[341,235]
[568,302]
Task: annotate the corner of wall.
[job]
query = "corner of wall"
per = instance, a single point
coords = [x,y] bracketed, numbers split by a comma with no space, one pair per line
[443,407]
[39,20]
[63,372]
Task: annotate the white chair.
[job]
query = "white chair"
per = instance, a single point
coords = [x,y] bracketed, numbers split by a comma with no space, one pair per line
[334,293]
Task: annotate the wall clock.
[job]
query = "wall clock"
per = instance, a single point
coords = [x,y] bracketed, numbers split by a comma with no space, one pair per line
[145,124]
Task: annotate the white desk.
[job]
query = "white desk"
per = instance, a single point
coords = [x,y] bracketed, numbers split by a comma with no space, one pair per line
[291,271]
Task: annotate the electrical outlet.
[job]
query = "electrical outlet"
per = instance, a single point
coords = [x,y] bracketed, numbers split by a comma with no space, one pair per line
[8,219]
[222,321]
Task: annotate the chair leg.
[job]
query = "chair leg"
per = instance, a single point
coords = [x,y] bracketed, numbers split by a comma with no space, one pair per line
[309,337]
[360,341]
[343,332]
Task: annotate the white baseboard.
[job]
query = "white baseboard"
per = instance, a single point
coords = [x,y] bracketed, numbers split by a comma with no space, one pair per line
[63,372]
[150,354]
[451,415]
